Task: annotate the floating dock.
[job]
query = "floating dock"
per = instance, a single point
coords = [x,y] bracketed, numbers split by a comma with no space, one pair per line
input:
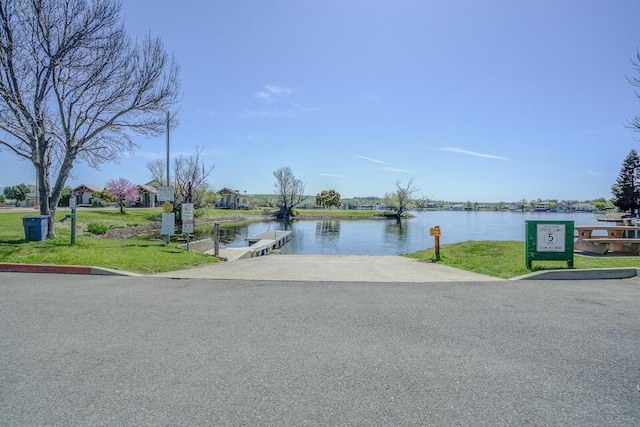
[259,244]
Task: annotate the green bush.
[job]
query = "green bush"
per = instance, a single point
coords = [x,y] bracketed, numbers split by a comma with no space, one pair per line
[97,228]
[98,203]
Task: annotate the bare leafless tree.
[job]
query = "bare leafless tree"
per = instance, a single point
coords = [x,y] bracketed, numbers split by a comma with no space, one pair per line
[73,86]
[401,198]
[190,176]
[158,170]
[289,190]
[634,123]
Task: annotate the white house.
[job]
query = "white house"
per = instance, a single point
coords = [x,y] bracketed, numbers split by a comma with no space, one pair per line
[232,199]
[583,207]
[147,195]
[83,193]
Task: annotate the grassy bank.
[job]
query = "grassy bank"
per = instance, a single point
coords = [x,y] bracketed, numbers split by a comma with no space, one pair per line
[506,259]
[135,254]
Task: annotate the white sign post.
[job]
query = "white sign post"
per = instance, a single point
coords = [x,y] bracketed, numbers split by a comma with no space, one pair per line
[187,218]
[168,224]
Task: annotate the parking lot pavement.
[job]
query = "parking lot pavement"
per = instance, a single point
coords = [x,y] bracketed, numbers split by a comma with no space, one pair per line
[111,350]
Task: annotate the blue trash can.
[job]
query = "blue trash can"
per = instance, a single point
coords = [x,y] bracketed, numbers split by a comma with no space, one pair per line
[35,227]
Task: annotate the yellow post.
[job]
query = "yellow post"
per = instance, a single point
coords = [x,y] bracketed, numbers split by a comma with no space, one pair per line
[435,232]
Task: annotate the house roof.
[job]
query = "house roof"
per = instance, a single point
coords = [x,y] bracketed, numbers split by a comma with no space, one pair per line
[148,188]
[87,187]
[227,190]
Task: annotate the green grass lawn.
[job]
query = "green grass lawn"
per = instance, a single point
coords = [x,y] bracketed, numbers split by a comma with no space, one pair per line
[139,255]
[506,259]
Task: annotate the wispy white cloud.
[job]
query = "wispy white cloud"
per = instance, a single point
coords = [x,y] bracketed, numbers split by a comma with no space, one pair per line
[278,90]
[594,173]
[264,96]
[282,107]
[471,153]
[277,113]
[333,175]
[371,160]
[271,93]
[390,169]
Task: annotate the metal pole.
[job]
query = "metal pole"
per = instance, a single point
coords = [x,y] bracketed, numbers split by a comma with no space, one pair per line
[168,183]
[216,239]
[168,118]
[73,226]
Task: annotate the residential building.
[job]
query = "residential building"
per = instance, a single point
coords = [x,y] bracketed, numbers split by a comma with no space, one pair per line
[147,195]
[584,207]
[83,193]
[232,199]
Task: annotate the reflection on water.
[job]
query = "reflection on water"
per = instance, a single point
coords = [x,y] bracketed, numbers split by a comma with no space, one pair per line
[328,228]
[328,236]
[231,234]
[391,237]
[397,228]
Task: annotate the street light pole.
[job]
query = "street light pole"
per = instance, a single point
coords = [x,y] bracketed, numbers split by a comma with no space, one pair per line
[168,237]
[168,183]
[168,119]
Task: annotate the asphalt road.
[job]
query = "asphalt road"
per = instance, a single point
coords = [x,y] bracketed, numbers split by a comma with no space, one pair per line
[90,350]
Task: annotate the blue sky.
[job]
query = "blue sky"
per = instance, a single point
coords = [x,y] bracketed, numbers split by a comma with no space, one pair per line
[480,101]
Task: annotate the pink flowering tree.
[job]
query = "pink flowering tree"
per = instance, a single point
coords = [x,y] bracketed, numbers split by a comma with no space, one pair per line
[123,190]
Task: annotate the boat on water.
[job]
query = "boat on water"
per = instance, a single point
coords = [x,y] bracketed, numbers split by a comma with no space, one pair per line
[543,207]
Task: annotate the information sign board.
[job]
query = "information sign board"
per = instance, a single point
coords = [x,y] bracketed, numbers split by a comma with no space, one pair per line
[187,226]
[187,218]
[550,237]
[165,194]
[168,224]
[549,241]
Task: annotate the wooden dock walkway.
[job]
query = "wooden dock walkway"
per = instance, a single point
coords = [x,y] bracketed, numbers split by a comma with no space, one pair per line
[259,244]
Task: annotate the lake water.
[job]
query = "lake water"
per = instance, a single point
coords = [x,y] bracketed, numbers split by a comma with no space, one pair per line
[390,237]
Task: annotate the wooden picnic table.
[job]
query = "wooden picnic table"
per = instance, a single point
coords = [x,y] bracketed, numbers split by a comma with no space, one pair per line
[603,238]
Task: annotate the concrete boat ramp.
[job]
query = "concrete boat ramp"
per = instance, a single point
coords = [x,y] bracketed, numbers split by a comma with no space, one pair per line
[259,244]
[331,268]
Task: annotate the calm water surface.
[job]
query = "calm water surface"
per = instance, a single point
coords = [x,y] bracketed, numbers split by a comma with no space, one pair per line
[390,237]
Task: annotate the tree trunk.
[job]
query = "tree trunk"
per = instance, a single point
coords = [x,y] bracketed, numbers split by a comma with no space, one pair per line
[49,198]
[44,189]
[285,213]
